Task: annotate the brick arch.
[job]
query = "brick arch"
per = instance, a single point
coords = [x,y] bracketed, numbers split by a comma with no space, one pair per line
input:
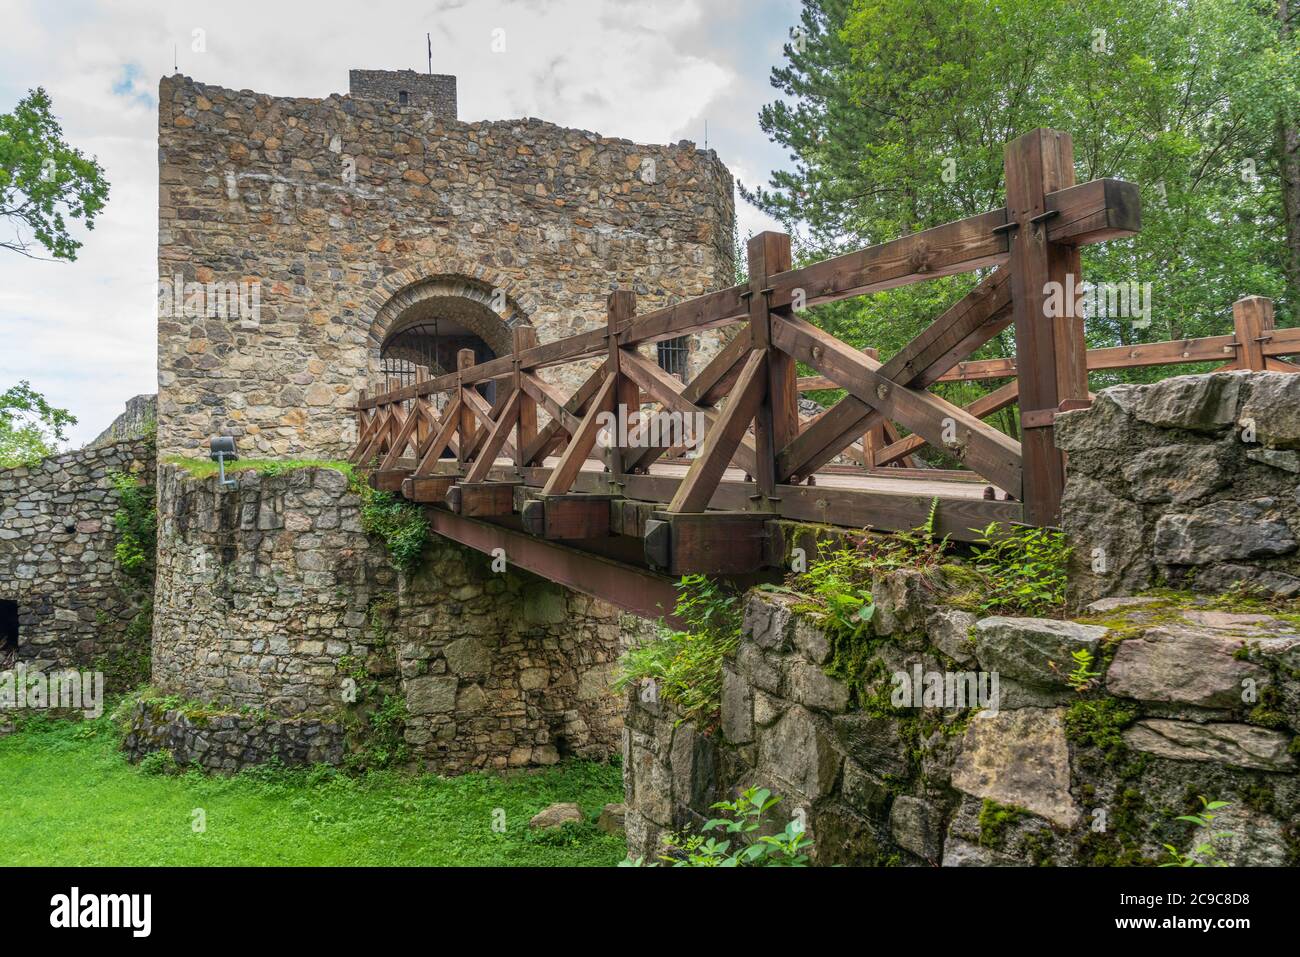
[448,277]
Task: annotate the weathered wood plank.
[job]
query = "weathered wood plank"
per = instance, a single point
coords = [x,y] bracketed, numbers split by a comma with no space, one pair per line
[582,441]
[979,446]
[985,405]
[668,392]
[574,405]
[496,439]
[724,437]
[776,419]
[1050,350]
[442,438]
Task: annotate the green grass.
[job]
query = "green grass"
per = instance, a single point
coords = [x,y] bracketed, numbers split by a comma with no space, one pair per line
[70,799]
[202,468]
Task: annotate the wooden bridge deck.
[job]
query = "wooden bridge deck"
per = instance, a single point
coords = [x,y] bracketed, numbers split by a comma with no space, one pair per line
[528,478]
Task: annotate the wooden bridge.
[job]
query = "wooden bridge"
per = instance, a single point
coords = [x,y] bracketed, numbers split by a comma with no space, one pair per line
[601,501]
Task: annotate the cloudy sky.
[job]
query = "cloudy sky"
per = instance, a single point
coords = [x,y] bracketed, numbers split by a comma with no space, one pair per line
[653,71]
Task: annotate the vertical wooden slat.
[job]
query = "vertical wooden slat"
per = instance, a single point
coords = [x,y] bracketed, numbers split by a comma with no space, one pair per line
[525,337]
[1252,320]
[619,309]
[873,440]
[467,425]
[1051,360]
[417,409]
[777,421]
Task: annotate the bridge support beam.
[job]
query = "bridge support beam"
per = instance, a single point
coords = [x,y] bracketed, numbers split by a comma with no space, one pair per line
[639,592]
[715,543]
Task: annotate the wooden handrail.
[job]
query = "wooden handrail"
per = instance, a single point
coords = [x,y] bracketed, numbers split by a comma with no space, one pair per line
[757,448]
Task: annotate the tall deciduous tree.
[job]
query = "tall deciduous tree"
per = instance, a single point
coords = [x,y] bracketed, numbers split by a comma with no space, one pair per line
[29,425]
[44,182]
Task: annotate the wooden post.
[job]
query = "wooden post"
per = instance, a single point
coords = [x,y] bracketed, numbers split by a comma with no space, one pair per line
[1051,355]
[777,421]
[465,359]
[361,416]
[873,440]
[619,309]
[1252,321]
[417,410]
[525,337]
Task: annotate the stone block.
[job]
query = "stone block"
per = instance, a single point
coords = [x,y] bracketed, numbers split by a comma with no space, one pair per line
[795,753]
[1033,650]
[1019,758]
[1198,403]
[1182,665]
[1223,531]
[1238,745]
[737,708]
[431,694]
[917,826]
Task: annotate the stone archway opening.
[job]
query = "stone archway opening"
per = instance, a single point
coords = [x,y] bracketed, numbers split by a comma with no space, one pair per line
[8,632]
[426,325]
[432,345]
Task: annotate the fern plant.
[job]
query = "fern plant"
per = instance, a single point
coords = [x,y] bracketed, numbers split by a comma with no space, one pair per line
[1023,569]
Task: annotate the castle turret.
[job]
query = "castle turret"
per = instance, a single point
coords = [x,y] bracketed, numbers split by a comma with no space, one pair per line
[434,92]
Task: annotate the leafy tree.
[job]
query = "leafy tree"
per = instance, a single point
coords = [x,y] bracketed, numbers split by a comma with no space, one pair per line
[896,116]
[29,426]
[44,181]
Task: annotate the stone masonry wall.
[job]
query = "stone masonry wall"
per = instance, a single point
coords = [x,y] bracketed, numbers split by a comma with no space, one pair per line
[351,215]
[272,597]
[229,742]
[433,92]
[57,561]
[1191,481]
[1050,776]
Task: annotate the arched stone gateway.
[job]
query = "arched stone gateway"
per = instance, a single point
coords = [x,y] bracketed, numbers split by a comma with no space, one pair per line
[428,321]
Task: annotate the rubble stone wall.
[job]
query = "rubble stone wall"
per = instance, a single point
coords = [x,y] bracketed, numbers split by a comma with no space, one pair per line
[272,597]
[348,213]
[1050,776]
[58,564]
[1193,481]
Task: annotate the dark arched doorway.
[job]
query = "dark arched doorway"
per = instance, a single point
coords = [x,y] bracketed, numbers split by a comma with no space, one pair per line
[434,346]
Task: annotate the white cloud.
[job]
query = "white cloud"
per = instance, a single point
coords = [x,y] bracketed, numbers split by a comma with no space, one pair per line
[647,70]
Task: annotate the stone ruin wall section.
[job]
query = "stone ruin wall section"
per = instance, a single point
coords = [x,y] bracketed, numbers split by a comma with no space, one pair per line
[255,188]
[271,596]
[57,560]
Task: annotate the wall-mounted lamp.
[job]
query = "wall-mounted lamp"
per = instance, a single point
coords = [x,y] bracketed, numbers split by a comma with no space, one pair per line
[222,449]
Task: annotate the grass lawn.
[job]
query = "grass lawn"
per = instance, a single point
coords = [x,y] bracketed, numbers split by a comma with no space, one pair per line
[68,797]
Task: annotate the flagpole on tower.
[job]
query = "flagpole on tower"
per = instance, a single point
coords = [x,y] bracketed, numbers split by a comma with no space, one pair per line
[429,40]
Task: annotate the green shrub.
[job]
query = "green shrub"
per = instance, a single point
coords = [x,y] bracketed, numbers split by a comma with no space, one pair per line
[136,521]
[741,844]
[159,763]
[401,524]
[1023,570]
[1204,854]
[686,666]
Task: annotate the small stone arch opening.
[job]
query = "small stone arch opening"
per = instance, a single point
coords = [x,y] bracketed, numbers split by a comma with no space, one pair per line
[425,325]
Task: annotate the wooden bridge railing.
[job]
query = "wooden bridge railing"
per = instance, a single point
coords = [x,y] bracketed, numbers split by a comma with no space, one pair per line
[701,513]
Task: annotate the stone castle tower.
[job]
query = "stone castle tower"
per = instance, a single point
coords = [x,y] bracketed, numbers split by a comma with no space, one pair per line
[310,248]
